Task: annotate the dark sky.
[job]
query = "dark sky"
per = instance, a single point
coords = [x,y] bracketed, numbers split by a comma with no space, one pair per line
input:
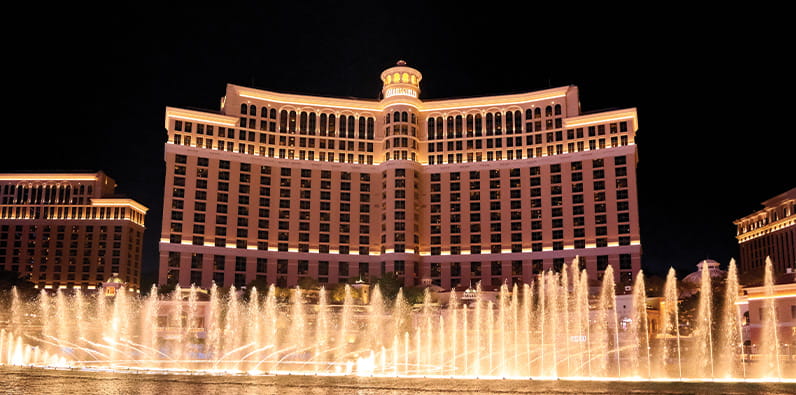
[89,87]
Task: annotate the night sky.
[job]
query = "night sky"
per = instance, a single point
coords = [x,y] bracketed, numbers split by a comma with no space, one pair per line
[89,88]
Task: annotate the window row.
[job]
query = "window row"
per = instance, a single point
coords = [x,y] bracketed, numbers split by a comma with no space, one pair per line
[519,141]
[46,194]
[489,124]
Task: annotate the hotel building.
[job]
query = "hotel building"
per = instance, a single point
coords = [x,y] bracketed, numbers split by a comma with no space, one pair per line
[69,230]
[450,192]
[769,232]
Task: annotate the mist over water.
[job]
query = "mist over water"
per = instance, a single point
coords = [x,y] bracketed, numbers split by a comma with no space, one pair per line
[554,328]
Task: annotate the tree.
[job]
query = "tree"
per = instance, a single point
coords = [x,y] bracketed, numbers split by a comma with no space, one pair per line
[337,293]
[414,295]
[262,288]
[308,283]
[654,285]
[389,285]
[9,280]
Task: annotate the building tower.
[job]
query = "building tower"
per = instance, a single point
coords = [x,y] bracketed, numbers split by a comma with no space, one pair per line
[449,192]
[769,233]
[401,172]
[69,230]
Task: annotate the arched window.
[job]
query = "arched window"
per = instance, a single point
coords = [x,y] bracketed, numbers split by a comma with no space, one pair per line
[283,121]
[528,114]
[404,117]
[312,125]
[387,119]
[518,121]
[264,112]
[509,122]
[458,126]
[361,127]
[548,111]
[343,124]
[243,108]
[498,123]
[469,121]
[273,113]
[303,122]
[351,121]
[323,124]
[331,124]
[478,125]
[431,128]
[558,109]
[371,128]
[292,122]
[439,127]
[537,112]
[253,110]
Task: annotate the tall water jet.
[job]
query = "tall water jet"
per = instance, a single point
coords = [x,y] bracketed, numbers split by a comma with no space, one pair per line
[344,324]
[253,324]
[116,326]
[47,327]
[321,328]
[149,323]
[552,320]
[515,330]
[177,324]
[376,319]
[453,346]
[730,346]
[17,313]
[769,332]
[425,353]
[297,319]
[502,326]
[671,326]
[233,330]
[271,313]
[192,317]
[702,336]
[62,316]
[640,359]
[526,326]
[213,328]
[582,308]
[539,324]
[608,315]
[80,314]
[562,311]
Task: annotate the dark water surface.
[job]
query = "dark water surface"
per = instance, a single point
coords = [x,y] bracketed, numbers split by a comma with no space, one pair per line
[42,381]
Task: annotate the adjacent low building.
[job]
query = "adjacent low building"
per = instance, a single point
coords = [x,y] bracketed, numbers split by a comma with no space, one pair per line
[69,230]
[769,233]
[776,304]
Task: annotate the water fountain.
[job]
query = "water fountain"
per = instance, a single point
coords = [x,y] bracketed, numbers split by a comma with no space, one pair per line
[552,328]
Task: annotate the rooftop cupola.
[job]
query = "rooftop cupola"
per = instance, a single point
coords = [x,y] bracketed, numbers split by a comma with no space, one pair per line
[401,81]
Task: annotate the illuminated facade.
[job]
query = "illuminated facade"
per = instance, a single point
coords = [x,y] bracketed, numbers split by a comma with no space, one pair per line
[69,230]
[779,302]
[447,192]
[770,232]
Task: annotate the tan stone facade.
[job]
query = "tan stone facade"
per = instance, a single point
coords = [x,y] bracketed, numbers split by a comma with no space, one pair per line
[446,192]
[69,230]
[769,232]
